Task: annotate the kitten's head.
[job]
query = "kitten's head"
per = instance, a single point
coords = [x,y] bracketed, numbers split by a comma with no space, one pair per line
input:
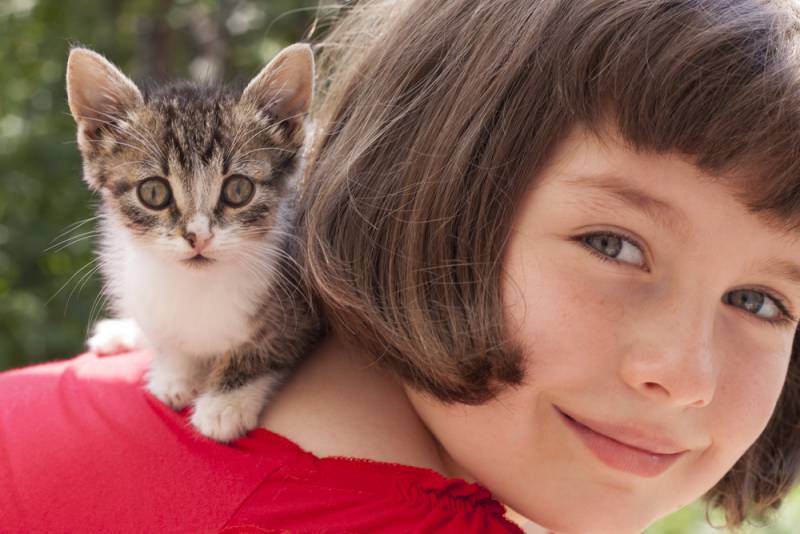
[193,173]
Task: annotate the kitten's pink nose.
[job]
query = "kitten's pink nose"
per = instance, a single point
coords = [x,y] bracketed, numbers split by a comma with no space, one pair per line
[198,242]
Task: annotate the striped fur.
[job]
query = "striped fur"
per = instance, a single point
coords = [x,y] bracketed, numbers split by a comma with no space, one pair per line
[227,324]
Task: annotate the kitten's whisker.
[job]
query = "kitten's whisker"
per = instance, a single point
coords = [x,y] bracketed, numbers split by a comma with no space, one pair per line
[137,134]
[266,262]
[290,117]
[94,311]
[73,226]
[240,143]
[266,148]
[247,240]
[263,232]
[229,150]
[76,273]
[68,242]
[255,132]
[279,254]
[147,135]
[138,161]
[265,255]
[277,281]
[86,280]
[82,282]
[132,147]
[115,126]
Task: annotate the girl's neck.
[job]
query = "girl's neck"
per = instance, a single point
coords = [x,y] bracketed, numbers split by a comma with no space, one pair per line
[340,403]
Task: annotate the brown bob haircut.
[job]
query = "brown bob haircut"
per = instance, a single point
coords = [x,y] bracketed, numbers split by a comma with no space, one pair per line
[434,119]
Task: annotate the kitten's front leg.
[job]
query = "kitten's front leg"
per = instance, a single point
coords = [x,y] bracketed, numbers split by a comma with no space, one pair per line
[241,385]
[175,379]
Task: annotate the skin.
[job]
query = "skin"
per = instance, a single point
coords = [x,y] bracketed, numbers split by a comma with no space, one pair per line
[649,342]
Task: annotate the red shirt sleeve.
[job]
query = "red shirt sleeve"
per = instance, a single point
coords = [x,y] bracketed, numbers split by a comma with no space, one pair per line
[84,448]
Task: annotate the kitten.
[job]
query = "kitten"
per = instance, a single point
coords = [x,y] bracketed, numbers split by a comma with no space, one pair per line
[198,185]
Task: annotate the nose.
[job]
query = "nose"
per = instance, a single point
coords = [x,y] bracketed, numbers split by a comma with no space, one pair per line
[673,363]
[198,233]
[198,241]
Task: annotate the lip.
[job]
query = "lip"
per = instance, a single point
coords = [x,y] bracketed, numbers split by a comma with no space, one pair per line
[625,448]
[198,260]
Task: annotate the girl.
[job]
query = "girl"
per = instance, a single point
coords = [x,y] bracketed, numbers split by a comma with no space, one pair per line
[556,243]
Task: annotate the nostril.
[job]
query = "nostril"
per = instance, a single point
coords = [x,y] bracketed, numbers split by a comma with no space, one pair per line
[191,237]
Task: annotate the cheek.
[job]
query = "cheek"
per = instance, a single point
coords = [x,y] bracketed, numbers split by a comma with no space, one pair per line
[748,391]
[560,317]
[256,219]
[136,219]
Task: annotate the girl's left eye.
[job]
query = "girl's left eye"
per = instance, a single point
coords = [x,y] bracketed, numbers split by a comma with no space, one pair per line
[757,303]
[614,247]
[619,249]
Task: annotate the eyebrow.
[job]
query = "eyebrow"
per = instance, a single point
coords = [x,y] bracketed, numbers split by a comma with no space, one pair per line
[783,269]
[627,195]
[669,216]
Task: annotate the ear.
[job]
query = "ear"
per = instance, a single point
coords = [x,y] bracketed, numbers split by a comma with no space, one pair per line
[285,86]
[98,92]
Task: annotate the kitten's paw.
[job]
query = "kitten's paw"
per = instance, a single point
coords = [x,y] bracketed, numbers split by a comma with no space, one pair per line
[177,393]
[226,416]
[115,335]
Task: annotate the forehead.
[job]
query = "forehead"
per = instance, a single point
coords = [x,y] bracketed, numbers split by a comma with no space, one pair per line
[207,128]
[193,125]
[608,176]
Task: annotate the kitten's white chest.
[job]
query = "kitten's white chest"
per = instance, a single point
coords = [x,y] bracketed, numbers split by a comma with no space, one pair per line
[194,311]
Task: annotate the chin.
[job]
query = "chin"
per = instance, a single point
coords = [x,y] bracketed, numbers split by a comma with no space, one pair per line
[596,525]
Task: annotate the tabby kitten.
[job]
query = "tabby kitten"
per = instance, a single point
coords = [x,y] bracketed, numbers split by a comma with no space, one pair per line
[197,186]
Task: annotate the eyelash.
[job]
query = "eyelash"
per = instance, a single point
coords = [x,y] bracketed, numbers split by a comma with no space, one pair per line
[785,320]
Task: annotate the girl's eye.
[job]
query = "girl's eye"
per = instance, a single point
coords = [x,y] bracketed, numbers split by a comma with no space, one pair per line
[154,192]
[237,190]
[614,247]
[759,304]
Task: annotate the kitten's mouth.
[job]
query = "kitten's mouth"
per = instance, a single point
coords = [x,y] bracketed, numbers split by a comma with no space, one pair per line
[198,261]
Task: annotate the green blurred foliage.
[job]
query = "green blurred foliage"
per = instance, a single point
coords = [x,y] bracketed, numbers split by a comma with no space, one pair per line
[48,288]
[47,283]
[692,520]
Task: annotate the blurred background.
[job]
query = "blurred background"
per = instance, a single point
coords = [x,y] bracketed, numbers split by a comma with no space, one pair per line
[49,289]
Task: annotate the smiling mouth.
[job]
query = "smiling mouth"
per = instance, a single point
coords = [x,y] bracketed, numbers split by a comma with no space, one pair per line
[618,455]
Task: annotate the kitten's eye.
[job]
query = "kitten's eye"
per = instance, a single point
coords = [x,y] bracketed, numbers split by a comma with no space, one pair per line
[154,193]
[237,190]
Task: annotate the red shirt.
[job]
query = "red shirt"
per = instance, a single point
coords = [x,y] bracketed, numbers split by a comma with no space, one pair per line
[84,448]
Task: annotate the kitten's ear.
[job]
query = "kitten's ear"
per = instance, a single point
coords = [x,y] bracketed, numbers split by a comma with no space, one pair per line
[98,92]
[285,86]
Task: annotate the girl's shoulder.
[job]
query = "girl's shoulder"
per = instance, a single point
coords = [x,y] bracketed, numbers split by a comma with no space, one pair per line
[338,494]
[85,443]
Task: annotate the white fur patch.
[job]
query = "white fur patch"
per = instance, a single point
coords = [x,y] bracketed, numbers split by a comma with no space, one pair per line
[195,311]
[189,314]
[111,336]
[174,380]
[227,416]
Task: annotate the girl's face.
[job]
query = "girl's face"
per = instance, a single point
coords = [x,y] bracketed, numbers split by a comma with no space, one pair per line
[652,309]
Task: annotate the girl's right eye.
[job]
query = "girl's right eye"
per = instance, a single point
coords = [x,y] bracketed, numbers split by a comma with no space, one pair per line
[154,192]
[609,246]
